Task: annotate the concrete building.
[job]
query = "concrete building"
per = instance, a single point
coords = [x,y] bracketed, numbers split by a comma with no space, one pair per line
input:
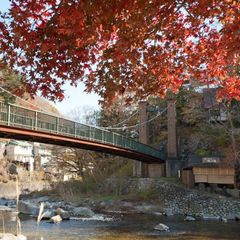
[31,156]
[43,151]
[20,153]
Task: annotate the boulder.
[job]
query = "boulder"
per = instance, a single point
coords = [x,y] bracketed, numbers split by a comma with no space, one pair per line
[9,236]
[12,169]
[27,208]
[11,203]
[161,227]
[47,205]
[3,201]
[231,217]
[106,203]
[168,212]
[59,204]
[82,212]
[127,204]
[224,219]
[148,209]
[56,219]
[157,213]
[21,237]
[9,214]
[189,218]
[64,214]
[48,214]
[44,199]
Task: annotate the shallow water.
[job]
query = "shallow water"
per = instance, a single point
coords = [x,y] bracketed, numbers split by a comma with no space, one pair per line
[126,227]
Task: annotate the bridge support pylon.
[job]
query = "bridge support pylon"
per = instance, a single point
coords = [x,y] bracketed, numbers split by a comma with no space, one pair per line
[140,169]
[172,163]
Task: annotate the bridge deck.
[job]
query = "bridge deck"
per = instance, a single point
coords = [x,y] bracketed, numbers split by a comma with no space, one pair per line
[25,124]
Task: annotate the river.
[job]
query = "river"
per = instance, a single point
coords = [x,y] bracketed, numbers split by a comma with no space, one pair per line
[126,227]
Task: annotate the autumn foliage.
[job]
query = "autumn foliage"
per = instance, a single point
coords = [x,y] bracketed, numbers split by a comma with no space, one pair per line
[143,47]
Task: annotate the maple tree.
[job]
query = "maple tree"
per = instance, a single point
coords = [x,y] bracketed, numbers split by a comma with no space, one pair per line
[10,82]
[144,47]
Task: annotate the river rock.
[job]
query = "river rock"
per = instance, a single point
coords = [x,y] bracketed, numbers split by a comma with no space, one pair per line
[158,213]
[161,227]
[48,214]
[106,203]
[48,205]
[3,201]
[189,218]
[59,204]
[224,219]
[64,214]
[237,216]
[210,217]
[231,217]
[168,212]
[27,208]
[11,203]
[44,199]
[146,209]
[9,236]
[82,212]
[9,214]
[127,204]
[56,219]
[21,237]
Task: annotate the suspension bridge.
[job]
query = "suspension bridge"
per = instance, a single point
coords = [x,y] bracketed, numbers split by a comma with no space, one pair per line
[21,123]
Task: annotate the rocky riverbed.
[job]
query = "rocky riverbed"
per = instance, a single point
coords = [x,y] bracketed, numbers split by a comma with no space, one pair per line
[162,207]
[126,227]
[172,199]
[169,200]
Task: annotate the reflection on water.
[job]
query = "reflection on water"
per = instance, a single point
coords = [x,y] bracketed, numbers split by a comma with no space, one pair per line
[127,227]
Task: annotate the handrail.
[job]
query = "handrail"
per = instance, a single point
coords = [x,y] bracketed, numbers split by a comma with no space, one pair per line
[23,117]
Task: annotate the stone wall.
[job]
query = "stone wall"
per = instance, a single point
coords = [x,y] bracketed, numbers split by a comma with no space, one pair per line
[176,199]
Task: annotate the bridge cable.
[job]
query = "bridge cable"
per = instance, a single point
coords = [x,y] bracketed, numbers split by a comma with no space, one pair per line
[45,111]
[102,128]
[125,120]
[34,105]
[136,125]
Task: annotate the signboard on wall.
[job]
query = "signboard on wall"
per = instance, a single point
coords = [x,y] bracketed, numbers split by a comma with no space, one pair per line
[210,159]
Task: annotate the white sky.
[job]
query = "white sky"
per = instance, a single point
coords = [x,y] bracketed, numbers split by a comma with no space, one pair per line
[74,97]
